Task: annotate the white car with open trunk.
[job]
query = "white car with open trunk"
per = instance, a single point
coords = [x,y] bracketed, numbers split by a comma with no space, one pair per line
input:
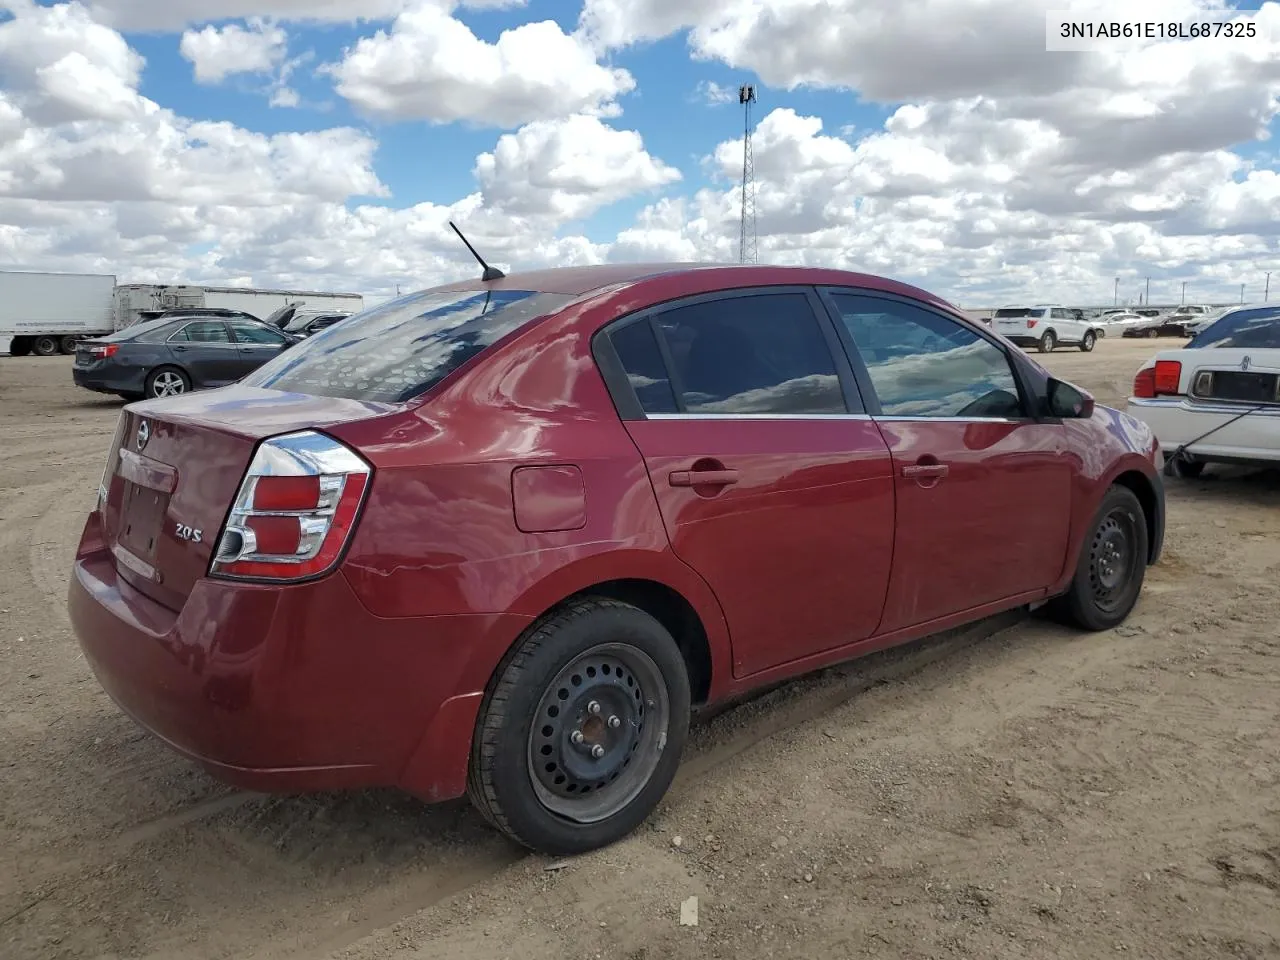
[1216,400]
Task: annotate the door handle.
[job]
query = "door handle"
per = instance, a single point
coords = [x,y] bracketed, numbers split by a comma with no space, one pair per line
[703,478]
[926,471]
[180,349]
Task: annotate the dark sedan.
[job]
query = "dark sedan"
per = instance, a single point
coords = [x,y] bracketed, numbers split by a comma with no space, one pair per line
[1177,326]
[162,358]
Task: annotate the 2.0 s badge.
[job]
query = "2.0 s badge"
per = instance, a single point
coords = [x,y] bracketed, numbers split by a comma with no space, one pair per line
[190,534]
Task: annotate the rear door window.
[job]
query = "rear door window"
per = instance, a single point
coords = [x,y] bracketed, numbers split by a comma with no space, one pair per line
[393,352]
[637,350]
[204,331]
[756,354]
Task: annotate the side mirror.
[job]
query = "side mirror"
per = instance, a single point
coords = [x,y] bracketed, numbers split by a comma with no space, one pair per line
[1068,402]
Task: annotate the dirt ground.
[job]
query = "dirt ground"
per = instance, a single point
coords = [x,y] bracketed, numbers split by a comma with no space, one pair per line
[1014,790]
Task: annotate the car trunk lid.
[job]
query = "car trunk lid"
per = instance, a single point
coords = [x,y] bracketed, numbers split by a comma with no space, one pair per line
[175,467]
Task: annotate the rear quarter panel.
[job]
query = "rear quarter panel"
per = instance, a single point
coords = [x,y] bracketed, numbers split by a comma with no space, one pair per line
[439,535]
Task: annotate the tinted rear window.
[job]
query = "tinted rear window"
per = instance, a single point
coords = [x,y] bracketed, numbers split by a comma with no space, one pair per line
[1017,313]
[1245,328]
[402,348]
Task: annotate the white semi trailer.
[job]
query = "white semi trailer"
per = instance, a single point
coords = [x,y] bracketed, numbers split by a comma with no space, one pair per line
[46,313]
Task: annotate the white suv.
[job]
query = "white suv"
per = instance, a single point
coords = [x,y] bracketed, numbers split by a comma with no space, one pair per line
[1045,326]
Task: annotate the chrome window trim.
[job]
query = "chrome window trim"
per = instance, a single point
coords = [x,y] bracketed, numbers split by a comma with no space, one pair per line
[884,418]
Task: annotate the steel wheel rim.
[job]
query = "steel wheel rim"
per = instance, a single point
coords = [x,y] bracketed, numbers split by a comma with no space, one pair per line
[1112,559]
[168,385]
[584,766]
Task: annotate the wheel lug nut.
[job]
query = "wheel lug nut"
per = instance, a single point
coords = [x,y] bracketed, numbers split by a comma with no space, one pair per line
[576,736]
[593,707]
[615,723]
[597,751]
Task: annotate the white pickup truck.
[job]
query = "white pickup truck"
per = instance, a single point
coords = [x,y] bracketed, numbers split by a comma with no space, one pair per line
[1046,326]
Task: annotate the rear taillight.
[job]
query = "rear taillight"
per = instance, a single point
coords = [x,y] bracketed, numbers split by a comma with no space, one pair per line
[1144,383]
[1168,376]
[295,509]
[102,351]
[1031,324]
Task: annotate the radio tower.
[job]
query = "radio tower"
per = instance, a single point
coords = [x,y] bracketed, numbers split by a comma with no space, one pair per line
[748,250]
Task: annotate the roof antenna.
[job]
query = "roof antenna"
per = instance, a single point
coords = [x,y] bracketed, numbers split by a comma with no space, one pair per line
[490,273]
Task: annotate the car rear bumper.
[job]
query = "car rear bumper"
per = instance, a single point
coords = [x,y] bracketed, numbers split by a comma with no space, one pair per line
[103,378]
[290,688]
[1176,421]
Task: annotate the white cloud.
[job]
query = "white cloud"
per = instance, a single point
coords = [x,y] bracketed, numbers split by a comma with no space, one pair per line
[430,66]
[218,52]
[713,94]
[567,169]
[1001,171]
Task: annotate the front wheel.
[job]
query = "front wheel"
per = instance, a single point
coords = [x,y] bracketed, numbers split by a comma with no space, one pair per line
[580,735]
[1112,564]
[1087,343]
[1047,342]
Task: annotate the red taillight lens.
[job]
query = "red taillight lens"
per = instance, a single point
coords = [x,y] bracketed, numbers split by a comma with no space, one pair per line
[1168,375]
[1031,323]
[295,510]
[286,493]
[104,351]
[1144,384]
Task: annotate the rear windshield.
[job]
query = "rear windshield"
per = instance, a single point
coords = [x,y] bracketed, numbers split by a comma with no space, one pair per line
[397,350]
[1245,328]
[1017,313]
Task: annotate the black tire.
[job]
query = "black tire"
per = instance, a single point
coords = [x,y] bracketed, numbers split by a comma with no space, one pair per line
[167,382]
[44,346]
[1047,342]
[1184,468]
[1152,334]
[1088,342]
[20,347]
[67,345]
[521,712]
[1101,596]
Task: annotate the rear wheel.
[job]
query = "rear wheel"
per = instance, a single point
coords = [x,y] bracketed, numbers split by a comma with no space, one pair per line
[44,346]
[1184,467]
[1047,342]
[581,733]
[67,344]
[1087,343]
[1112,564]
[167,382]
[1151,334]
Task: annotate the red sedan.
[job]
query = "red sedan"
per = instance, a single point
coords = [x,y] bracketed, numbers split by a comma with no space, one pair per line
[497,537]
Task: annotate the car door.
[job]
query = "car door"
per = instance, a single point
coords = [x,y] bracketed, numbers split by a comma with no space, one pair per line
[256,343]
[1070,330]
[204,349]
[772,482]
[983,489]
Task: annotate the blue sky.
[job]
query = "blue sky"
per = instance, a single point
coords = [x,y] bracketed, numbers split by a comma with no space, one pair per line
[429,162]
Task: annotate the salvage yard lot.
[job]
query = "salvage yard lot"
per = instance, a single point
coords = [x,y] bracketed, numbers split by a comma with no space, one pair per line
[1019,790]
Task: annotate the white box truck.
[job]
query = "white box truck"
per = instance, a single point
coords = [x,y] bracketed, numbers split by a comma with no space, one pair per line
[137,301]
[46,313]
